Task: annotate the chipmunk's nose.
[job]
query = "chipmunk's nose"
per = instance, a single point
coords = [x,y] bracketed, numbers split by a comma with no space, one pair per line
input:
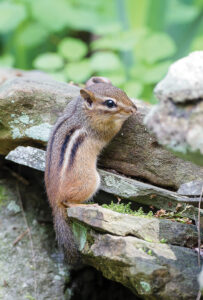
[133,108]
[130,110]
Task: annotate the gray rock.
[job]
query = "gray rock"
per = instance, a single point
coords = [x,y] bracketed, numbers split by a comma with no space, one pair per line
[28,270]
[177,121]
[192,188]
[28,156]
[30,102]
[146,228]
[123,187]
[183,81]
[138,252]
[151,270]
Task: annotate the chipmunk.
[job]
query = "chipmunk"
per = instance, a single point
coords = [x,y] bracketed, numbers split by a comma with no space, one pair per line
[87,125]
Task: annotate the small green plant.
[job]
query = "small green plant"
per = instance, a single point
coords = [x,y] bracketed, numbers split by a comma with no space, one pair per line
[29,297]
[3,195]
[163,241]
[125,209]
[149,252]
[173,216]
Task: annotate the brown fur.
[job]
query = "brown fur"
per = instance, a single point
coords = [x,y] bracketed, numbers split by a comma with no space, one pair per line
[74,185]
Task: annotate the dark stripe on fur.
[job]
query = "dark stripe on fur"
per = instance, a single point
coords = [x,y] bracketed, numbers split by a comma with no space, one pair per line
[74,149]
[53,138]
[51,144]
[64,146]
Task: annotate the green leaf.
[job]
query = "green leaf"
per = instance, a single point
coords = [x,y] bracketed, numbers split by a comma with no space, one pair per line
[53,15]
[179,12]
[199,3]
[93,16]
[58,76]
[72,49]
[151,74]
[83,19]
[78,71]
[156,73]
[11,15]
[105,61]
[133,89]
[118,78]
[197,44]
[7,60]
[155,47]
[121,41]
[48,62]
[32,35]
[108,27]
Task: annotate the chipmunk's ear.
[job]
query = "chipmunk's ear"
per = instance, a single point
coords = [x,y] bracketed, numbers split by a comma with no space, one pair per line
[97,79]
[88,96]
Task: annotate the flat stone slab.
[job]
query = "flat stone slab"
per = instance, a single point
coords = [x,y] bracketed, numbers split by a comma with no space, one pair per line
[126,188]
[147,228]
[152,270]
[192,188]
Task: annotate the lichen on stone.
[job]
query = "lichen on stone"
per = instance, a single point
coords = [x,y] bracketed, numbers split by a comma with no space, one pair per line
[16,133]
[39,132]
[24,119]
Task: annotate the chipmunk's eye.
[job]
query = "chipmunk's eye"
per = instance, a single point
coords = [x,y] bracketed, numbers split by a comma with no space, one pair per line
[110,103]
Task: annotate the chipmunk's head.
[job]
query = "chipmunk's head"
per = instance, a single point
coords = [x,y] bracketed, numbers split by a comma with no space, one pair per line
[107,102]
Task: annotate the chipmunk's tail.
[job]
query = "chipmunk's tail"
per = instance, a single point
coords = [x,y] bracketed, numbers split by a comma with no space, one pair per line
[65,236]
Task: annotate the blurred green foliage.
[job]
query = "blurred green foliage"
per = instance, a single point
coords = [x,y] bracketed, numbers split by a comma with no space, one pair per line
[132,42]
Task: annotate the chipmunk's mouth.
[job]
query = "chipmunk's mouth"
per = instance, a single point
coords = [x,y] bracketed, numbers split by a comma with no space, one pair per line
[130,110]
[122,116]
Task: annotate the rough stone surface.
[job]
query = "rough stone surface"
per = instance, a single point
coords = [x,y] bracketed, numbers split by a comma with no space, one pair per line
[28,270]
[28,156]
[31,102]
[146,228]
[177,121]
[184,79]
[192,188]
[123,187]
[152,270]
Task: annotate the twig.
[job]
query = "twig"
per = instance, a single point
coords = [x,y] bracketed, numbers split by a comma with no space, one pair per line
[17,176]
[20,237]
[199,227]
[30,237]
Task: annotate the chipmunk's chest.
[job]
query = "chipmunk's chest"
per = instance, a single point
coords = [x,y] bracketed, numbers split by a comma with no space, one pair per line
[79,178]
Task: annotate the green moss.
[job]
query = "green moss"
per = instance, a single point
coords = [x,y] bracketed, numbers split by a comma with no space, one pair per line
[149,252]
[80,234]
[148,240]
[3,195]
[145,286]
[163,241]
[125,209]
[174,216]
[29,297]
